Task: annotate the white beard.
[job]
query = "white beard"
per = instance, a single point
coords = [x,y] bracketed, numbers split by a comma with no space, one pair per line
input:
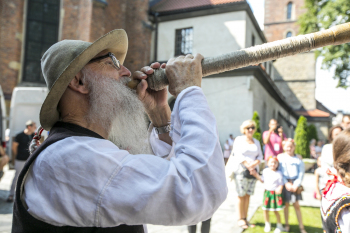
[119,111]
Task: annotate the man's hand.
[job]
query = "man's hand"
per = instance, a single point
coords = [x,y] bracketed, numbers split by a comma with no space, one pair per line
[183,72]
[273,128]
[155,102]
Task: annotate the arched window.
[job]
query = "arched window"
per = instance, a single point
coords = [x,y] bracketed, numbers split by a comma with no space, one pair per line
[289,34]
[289,10]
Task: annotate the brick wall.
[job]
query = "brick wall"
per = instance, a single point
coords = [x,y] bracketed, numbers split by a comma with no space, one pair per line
[81,20]
[76,19]
[11,29]
[276,23]
[298,72]
[132,16]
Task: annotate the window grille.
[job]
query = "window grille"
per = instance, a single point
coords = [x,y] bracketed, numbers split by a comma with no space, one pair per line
[183,41]
[41,33]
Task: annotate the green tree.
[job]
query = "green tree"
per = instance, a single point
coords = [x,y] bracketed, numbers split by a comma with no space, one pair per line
[312,132]
[257,134]
[301,138]
[323,14]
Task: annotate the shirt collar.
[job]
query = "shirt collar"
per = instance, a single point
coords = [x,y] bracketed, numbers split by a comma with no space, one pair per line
[75,129]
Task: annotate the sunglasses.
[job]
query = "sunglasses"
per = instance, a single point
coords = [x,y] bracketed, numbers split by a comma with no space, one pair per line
[116,62]
[253,128]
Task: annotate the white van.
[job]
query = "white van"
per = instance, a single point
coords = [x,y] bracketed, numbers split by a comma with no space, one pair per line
[25,105]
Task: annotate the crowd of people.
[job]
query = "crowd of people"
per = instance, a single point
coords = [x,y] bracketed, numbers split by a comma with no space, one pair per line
[282,176]
[20,154]
[284,171]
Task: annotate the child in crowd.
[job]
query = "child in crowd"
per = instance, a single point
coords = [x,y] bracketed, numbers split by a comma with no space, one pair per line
[273,201]
[292,168]
[335,204]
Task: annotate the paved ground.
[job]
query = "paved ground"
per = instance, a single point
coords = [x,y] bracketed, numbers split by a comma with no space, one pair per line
[223,221]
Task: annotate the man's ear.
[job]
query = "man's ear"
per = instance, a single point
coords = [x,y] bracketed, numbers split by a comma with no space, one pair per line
[78,85]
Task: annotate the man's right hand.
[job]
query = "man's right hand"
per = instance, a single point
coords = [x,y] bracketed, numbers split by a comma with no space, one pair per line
[183,72]
[273,128]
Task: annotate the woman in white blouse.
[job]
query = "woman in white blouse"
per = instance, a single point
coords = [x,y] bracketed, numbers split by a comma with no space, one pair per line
[327,150]
[247,156]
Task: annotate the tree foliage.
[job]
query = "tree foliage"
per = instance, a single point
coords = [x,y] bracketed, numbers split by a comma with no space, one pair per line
[323,14]
[312,132]
[257,134]
[301,138]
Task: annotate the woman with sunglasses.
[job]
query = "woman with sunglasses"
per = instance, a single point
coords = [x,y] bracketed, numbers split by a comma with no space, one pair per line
[247,157]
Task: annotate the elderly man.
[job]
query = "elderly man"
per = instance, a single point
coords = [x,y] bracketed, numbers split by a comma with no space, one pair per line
[78,181]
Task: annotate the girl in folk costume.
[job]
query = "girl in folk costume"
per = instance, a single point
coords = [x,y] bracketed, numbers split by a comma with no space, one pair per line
[292,168]
[335,203]
[273,201]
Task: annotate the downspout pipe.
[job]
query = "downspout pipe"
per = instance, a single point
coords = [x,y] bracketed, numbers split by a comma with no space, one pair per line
[155,14]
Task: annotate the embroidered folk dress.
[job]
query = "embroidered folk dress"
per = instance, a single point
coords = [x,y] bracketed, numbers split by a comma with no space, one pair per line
[335,207]
[85,181]
[272,180]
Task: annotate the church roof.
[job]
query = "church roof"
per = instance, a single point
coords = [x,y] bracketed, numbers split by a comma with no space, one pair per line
[174,5]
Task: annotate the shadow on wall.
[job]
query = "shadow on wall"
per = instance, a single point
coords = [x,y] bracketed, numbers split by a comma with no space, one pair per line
[287,92]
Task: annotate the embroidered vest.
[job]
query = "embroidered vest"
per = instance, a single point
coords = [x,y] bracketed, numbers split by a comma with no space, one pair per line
[330,217]
[23,222]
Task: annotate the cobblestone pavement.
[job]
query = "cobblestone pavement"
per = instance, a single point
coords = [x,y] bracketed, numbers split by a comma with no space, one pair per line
[223,221]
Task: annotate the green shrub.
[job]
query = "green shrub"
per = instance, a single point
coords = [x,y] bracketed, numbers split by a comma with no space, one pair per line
[301,138]
[312,132]
[257,135]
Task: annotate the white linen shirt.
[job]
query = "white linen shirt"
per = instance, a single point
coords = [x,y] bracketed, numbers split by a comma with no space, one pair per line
[327,156]
[243,151]
[85,181]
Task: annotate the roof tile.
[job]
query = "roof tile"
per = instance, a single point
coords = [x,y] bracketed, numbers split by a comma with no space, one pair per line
[314,113]
[173,5]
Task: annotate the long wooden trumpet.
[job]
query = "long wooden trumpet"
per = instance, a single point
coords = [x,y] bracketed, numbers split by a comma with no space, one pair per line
[257,54]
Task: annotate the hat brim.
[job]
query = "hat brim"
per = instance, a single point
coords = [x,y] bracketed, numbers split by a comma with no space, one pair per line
[115,41]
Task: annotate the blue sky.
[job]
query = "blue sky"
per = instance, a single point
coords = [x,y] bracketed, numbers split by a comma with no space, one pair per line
[326,92]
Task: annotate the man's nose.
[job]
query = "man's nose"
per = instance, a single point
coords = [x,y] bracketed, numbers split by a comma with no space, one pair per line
[124,71]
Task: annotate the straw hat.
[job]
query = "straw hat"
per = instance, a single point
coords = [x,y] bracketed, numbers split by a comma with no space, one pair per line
[63,60]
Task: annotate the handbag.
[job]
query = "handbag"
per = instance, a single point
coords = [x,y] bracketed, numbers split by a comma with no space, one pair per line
[246,173]
[299,190]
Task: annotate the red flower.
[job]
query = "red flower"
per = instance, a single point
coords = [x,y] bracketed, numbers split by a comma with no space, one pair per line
[273,201]
[280,202]
[272,192]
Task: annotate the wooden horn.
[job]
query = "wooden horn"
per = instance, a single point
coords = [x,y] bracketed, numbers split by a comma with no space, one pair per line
[260,53]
